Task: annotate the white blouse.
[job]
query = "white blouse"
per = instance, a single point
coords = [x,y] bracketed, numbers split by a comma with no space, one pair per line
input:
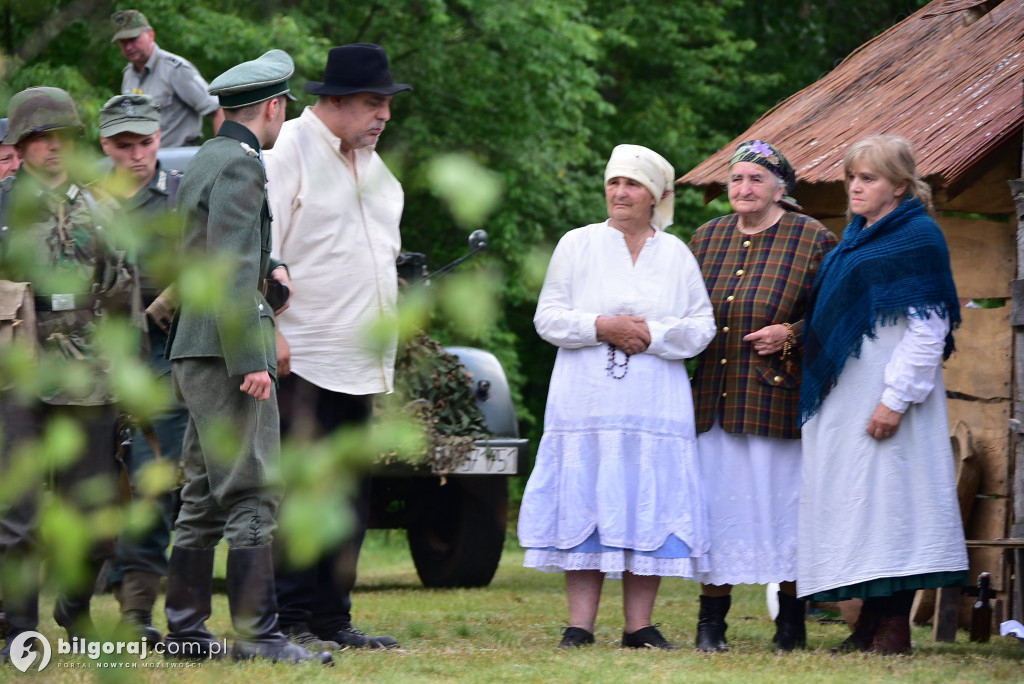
[336,227]
[910,373]
[591,274]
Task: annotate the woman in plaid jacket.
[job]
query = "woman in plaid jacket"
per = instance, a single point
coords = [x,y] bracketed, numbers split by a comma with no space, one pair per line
[758,264]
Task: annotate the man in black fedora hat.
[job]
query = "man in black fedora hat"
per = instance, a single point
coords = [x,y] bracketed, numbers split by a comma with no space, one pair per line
[336,211]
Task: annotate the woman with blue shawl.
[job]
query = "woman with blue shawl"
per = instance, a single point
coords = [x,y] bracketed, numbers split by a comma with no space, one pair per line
[879,517]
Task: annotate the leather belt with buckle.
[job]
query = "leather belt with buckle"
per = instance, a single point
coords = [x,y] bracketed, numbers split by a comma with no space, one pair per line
[65,302]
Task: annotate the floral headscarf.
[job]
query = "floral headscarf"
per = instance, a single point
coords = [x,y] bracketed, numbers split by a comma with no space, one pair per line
[769,156]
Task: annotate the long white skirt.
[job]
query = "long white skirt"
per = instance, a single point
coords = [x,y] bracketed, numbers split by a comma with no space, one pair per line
[752,485]
[618,458]
[871,508]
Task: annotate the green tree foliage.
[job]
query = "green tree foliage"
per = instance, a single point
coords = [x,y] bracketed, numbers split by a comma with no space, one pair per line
[536,93]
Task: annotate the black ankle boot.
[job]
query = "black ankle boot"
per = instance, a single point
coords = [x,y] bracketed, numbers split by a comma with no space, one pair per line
[22,614]
[253,601]
[189,591]
[790,628]
[711,623]
[864,629]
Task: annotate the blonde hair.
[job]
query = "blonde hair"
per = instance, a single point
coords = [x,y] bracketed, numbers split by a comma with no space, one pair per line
[891,156]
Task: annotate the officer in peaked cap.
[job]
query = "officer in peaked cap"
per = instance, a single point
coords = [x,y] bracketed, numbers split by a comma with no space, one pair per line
[225,366]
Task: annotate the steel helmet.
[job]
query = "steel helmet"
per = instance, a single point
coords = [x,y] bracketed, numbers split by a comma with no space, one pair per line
[39,109]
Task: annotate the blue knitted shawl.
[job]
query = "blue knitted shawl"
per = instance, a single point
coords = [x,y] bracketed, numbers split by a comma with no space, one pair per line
[875,276]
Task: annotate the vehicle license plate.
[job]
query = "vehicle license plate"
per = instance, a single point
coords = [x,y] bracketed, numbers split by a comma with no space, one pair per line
[494,460]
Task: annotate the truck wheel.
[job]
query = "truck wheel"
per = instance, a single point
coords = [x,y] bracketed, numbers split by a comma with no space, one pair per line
[458,537]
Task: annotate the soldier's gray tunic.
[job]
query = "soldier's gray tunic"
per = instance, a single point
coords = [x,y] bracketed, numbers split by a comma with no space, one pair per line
[177,86]
[233,492]
[150,210]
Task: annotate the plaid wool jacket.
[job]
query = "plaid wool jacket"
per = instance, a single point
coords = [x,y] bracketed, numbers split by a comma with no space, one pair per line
[754,281]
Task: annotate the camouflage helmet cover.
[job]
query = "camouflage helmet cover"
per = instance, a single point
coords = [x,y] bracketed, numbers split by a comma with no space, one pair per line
[39,109]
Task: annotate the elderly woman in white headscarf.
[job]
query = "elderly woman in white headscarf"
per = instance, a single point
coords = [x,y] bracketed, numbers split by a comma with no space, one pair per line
[615,490]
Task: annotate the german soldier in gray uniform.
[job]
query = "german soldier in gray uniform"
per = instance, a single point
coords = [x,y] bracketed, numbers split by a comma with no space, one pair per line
[54,238]
[225,366]
[171,80]
[130,135]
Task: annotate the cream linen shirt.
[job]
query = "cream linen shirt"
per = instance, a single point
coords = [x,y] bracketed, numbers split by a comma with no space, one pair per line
[337,229]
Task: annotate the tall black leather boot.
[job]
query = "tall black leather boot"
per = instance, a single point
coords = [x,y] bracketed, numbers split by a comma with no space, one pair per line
[711,624]
[253,602]
[189,592]
[71,610]
[790,628]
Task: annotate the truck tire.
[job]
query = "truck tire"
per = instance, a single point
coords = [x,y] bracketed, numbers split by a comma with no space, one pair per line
[458,537]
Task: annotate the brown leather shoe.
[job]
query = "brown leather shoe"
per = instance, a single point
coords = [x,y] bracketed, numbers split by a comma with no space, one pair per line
[893,635]
[863,633]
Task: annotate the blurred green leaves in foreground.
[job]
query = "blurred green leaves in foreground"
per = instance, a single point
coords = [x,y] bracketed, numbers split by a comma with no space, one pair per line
[319,475]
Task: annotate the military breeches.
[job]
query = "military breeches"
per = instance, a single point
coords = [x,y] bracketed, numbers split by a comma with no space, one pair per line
[231,459]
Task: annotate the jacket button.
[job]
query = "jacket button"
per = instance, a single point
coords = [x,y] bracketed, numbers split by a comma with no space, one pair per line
[723,361]
[729,298]
[746,243]
[777,379]
[725,328]
[739,272]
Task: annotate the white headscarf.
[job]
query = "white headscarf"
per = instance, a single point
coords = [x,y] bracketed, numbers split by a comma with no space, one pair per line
[649,169]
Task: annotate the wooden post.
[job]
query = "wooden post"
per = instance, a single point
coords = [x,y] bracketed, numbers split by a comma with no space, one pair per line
[947,603]
[1017,424]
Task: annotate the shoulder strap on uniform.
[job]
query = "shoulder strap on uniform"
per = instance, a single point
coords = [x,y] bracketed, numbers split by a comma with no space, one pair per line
[173,181]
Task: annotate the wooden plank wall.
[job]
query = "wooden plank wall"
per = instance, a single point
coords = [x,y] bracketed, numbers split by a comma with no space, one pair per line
[979,379]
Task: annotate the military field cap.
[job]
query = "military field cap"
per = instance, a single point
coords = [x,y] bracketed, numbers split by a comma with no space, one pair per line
[254,81]
[128,24]
[137,114]
[768,155]
[357,68]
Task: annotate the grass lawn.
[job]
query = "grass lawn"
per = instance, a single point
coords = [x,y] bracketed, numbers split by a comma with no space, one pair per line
[508,632]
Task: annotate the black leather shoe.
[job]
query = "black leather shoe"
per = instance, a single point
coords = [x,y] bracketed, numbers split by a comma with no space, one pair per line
[301,635]
[646,637]
[351,637]
[574,637]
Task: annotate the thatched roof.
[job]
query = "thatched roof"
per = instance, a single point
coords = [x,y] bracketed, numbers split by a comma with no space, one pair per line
[952,88]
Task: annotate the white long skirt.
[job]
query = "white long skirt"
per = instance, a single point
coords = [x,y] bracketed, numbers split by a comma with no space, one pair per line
[752,485]
[871,508]
[618,458]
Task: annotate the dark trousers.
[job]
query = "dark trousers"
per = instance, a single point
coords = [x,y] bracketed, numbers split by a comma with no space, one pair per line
[86,483]
[146,551]
[319,596]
